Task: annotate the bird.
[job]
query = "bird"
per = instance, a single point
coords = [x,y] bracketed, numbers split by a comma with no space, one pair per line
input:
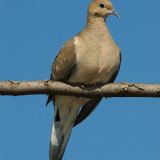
[91,57]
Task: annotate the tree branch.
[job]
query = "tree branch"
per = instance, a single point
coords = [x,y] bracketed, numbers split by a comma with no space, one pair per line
[14,88]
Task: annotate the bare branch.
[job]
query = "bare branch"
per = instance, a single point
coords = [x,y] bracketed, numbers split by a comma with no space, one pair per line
[14,88]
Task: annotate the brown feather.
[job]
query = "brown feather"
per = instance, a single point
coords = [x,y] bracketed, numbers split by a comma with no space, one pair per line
[64,65]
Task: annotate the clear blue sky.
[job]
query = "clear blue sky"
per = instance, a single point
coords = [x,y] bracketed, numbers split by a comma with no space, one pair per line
[31,33]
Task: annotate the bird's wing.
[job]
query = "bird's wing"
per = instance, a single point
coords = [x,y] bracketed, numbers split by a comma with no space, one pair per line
[64,64]
[88,108]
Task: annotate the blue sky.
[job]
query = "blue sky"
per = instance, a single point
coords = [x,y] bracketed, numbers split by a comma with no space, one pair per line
[31,33]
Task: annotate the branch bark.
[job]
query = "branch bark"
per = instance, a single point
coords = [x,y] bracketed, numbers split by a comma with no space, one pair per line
[15,88]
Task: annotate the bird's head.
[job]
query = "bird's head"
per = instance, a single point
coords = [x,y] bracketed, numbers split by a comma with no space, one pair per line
[101,8]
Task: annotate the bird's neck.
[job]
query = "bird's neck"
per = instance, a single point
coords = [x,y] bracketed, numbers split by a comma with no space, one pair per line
[97,25]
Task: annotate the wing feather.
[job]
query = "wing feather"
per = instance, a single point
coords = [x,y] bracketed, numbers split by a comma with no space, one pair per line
[64,64]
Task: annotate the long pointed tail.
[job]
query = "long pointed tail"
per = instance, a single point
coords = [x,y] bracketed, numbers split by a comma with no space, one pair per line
[59,139]
[66,110]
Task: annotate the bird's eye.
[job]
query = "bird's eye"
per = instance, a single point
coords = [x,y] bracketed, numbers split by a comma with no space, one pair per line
[101,5]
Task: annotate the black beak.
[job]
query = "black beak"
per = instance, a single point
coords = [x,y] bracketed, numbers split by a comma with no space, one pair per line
[113,12]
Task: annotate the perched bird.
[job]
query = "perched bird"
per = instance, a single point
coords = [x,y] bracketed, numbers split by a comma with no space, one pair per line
[91,57]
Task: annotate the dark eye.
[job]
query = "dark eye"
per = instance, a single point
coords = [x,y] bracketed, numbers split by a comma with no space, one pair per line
[101,5]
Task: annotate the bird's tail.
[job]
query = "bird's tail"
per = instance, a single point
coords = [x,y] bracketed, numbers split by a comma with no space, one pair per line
[66,110]
[59,138]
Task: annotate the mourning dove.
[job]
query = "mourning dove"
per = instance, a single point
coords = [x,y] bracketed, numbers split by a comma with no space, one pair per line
[91,57]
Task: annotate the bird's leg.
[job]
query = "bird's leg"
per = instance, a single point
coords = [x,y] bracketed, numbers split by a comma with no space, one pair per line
[123,89]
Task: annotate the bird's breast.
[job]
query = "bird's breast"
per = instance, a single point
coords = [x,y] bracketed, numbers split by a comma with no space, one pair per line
[95,62]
